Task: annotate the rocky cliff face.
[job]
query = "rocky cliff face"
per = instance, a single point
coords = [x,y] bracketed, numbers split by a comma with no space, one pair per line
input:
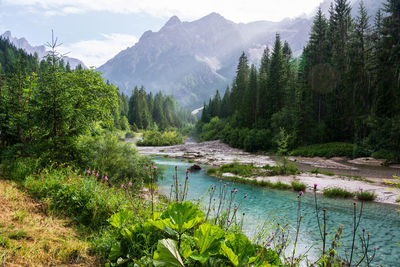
[41,51]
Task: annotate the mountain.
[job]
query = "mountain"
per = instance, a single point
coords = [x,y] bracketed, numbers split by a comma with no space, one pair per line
[192,59]
[22,43]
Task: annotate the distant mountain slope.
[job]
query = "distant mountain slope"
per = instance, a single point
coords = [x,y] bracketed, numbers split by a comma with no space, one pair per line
[22,43]
[192,59]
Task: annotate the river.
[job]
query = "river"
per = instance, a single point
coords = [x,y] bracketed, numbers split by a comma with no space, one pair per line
[381,220]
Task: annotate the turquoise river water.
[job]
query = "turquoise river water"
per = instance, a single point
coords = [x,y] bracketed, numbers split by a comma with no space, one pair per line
[262,204]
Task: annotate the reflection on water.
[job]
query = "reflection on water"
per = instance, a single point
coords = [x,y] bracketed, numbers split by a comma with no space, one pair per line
[381,220]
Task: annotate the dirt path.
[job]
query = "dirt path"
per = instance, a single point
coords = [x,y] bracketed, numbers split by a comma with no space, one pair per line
[30,237]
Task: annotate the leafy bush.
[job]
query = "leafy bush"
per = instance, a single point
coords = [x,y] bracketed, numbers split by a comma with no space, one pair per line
[327,150]
[337,192]
[180,236]
[365,195]
[108,156]
[384,154]
[284,168]
[212,130]
[257,140]
[19,168]
[298,186]
[84,198]
[156,138]
[129,134]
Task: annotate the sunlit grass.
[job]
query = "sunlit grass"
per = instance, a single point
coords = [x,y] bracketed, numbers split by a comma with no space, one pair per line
[29,237]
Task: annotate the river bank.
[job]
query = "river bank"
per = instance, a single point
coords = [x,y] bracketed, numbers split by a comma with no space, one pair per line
[216,153]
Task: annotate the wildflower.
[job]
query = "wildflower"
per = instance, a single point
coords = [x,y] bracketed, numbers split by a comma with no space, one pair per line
[146,168]
[215,186]
[93,172]
[375,249]
[232,191]
[187,172]
[187,177]
[88,172]
[268,244]
[97,175]
[155,167]
[245,196]
[130,184]
[360,189]
[236,191]
[139,195]
[122,186]
[180,184]
[301,193]
[105,178]
[315,186]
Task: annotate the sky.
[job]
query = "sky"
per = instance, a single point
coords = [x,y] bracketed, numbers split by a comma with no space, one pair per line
[96,30]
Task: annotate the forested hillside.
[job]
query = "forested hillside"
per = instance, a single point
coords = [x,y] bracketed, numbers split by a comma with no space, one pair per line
[345,87]
[144,111]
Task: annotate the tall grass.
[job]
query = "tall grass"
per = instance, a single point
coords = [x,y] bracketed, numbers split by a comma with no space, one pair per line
[89,201]
[337,192]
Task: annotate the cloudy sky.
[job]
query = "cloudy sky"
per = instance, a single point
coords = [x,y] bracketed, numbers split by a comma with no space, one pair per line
[96,30]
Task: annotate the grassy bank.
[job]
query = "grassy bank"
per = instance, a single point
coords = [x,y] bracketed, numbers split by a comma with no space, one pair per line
[31,236]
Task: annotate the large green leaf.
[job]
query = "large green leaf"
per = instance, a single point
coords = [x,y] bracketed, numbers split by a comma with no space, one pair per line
[120,219]
[208,240]
[228,252]
[180,217]
[238,249]
[167,254]
[115,251]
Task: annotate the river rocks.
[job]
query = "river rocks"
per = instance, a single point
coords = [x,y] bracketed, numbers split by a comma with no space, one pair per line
[194,167]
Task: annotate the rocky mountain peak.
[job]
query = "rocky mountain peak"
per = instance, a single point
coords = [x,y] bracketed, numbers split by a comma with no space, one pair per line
[174,20]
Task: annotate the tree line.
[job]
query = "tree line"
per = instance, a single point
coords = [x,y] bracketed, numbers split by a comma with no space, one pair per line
[344,87]
[142,110]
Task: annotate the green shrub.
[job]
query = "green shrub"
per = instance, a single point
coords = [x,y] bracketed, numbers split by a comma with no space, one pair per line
[298,186]
[129,134]
[258,140]
[337,192]
[327,150]
[84,198]
[284,168]
[212,130]
[384,154]
[18,169]
[107,155]
[156,138]
[366,196]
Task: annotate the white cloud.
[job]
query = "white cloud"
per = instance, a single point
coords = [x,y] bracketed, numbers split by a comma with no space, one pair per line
[236,10]
[97,52]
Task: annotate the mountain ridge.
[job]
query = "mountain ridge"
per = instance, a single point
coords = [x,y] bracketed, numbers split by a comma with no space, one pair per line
[22,43]
[192,59]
